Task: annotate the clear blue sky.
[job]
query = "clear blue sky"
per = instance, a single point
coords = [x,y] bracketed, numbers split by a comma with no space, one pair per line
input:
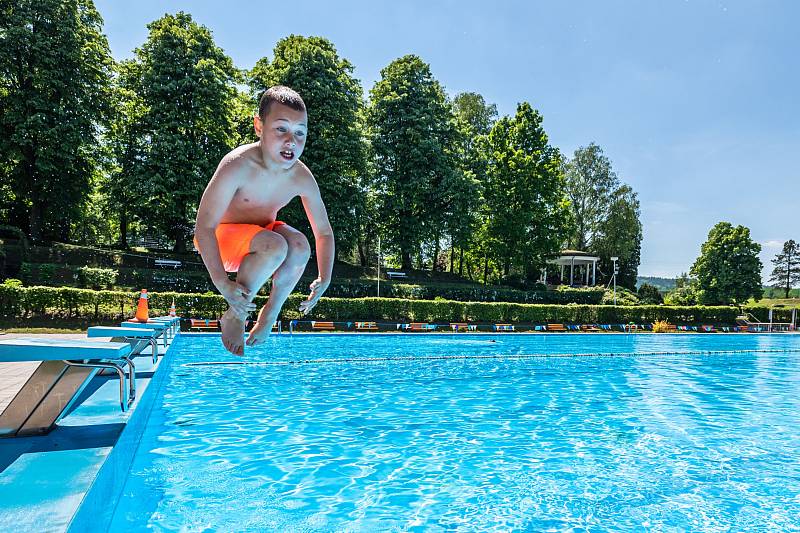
[695,102]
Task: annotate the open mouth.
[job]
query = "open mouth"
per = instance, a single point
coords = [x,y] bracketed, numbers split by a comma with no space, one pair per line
[287,155]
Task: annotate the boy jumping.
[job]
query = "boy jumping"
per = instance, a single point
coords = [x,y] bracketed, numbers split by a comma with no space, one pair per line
[237,229]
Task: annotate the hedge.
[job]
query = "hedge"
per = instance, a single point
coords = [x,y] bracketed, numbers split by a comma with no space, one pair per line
[56,275]
[21,302]
[779,314]
[157,279]
[464,293]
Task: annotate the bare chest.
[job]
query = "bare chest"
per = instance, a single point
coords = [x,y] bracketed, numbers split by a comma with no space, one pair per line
[259,201]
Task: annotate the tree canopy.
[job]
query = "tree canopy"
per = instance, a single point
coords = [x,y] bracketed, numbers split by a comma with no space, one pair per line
[786,271]
[55,69]
[526,211]
[96,151]
[591,184]
[728,270]
[606,212]
[335,150]
[186,84]
[412,134]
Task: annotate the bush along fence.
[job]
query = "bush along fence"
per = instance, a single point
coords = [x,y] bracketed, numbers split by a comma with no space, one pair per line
[21,302]
[56,275]
[367,289]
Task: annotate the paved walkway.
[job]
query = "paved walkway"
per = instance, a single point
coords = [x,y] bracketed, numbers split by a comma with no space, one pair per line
[14,375]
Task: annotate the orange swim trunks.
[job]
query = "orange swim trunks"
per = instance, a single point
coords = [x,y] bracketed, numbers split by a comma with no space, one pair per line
[234,241]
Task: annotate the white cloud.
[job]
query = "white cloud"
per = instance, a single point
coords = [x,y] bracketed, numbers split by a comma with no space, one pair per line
[773,244]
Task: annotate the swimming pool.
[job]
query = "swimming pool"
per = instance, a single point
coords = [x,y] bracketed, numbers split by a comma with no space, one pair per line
[403,441]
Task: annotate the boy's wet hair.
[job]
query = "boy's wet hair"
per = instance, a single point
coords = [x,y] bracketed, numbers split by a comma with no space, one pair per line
[282,95]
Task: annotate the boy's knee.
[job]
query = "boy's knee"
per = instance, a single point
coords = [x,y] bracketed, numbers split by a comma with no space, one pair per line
[271,243]
[299,249]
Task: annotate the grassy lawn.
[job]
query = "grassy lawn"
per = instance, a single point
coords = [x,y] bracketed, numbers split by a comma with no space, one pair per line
[43,325]
[769,302]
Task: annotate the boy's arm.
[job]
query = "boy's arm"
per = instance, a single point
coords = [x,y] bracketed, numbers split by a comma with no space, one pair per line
[215,201]
[323,240]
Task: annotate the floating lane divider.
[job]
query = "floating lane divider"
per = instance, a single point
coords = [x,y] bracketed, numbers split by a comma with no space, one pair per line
[341,360]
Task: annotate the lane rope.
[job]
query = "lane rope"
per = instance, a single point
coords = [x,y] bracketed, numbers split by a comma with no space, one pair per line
[350,360]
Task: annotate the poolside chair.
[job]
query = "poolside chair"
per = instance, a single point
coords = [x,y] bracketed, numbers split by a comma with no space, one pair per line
[556,327]
[321,325]
[421,326]
[65,368]
[203,324]
[590,328]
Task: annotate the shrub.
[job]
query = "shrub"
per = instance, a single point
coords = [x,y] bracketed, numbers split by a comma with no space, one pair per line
[661,326]
[97,278]
[22,302]
[460,292]
[624,297]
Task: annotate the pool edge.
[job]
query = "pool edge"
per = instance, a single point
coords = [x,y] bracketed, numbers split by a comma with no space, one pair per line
[99,503]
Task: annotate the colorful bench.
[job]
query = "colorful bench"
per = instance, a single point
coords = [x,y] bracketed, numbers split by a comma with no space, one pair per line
[203,324]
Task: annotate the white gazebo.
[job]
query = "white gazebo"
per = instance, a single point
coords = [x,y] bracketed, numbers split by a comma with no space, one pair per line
[573,259]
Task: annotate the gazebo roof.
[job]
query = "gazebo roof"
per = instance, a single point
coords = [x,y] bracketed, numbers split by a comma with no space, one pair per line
[575,253]
[574,257]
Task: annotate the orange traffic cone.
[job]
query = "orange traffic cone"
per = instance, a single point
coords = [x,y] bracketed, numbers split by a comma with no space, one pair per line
[142,311]
[172,308]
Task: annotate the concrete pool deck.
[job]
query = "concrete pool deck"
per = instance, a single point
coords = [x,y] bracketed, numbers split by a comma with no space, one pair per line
[44,479]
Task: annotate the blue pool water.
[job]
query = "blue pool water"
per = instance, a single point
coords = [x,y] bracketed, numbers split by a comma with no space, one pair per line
[353,442]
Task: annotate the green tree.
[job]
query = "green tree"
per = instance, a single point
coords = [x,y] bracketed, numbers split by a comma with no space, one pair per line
[473,111]
[335,150]
[55,71]
[526,210]
[728,269]
[412,134]
[243,109]
[684,293]
[127,145]
[591,184]
[186,84]
[786,271]
[619,234]
[475,119]
[649,294]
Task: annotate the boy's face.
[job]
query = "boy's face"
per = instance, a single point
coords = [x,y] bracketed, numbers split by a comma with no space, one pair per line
[283,134]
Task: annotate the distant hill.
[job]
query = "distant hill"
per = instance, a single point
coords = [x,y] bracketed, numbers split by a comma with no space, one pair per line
[662,284]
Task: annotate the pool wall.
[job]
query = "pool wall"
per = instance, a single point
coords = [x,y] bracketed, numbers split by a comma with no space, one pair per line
[98,505]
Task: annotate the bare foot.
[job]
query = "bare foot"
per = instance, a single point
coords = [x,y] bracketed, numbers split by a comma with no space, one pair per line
[262,328]
[232,332]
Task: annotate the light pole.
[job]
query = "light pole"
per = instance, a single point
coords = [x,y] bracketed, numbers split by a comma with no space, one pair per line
[379,266]
[614,277]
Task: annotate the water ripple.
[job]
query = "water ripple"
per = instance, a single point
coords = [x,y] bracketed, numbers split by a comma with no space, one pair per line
[663,443]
